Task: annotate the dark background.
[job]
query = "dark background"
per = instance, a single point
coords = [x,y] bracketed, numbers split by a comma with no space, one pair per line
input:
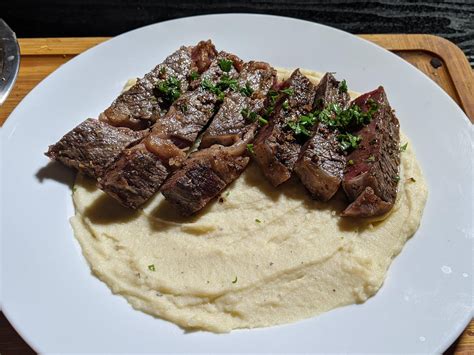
[453,20]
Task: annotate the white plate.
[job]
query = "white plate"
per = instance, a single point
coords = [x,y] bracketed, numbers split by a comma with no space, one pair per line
[49,294]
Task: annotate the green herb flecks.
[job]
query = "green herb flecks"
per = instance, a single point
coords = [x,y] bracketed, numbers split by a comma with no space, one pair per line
[168,90]
[404,147]
[288,91]
[258,221]
[343,86]
[250,148]
[249,115]
[226,82]
[194,75]
[303,125]
[262,121]
[371,159]
[225,65]
[235,280]
[151,267]
[350,162]
[285,105]
[272,96]
[247,90]
[396,178]
[348,141]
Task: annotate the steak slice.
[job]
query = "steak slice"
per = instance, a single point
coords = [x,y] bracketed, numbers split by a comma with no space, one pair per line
[92,146]
[321,163]
[276,146]
[371,180]
[141,105]
[229,124]
[166,145]
[210,170]
[205,174]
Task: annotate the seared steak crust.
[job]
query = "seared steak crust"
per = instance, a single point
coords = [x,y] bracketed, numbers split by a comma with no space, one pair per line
[133,177]
[206,174]
[371,181]
[170,137]
[229,124]
[321,162]
[209,171]
[92,146]
[276,147]
[138,107]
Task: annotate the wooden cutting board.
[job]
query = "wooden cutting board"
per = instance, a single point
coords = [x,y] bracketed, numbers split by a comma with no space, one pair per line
[438,58]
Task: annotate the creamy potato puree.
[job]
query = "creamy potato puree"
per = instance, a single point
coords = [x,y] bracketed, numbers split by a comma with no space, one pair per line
[255,257]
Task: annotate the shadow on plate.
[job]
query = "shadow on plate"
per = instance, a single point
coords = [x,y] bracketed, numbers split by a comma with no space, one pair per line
[58,172]
[105,210]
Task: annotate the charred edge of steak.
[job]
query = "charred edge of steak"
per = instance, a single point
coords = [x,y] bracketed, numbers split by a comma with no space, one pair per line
[229,124]
[92,146]
[205,175]
[276,147]
[376,161]
[139,107]
[134,177]
[321,163]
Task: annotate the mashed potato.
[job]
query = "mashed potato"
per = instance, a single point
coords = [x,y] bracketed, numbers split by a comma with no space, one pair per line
[255,257]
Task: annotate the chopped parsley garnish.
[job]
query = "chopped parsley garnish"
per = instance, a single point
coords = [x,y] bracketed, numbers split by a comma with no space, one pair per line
[350,162]
[288,91]
[247,90]
[235,280]
[272,96]
[151,267]
[218,89]
[262,121]
[225,65]
[250,148]
[412,179]
[396,178]
[303,124]
[258,221]
[371,158]
[194,75]
[348,141]
[285,105]
[169,90]
[227,82]
[404,147]
[249,115]
[343,86]
[335,117]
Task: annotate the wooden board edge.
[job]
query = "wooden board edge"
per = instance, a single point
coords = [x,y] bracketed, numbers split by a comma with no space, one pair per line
[456,62]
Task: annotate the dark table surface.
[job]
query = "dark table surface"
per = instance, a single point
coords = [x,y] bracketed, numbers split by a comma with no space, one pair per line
[453,20]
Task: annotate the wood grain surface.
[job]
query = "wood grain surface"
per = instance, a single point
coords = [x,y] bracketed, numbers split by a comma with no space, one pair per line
[440,60]
[451,19]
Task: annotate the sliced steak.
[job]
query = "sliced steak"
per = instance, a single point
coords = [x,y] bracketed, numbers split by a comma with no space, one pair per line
[210,170]
[372,178]
[227,127]
[146,101]
[276,146]
[92,146]
[166,145]
[321,163]
[205,174]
